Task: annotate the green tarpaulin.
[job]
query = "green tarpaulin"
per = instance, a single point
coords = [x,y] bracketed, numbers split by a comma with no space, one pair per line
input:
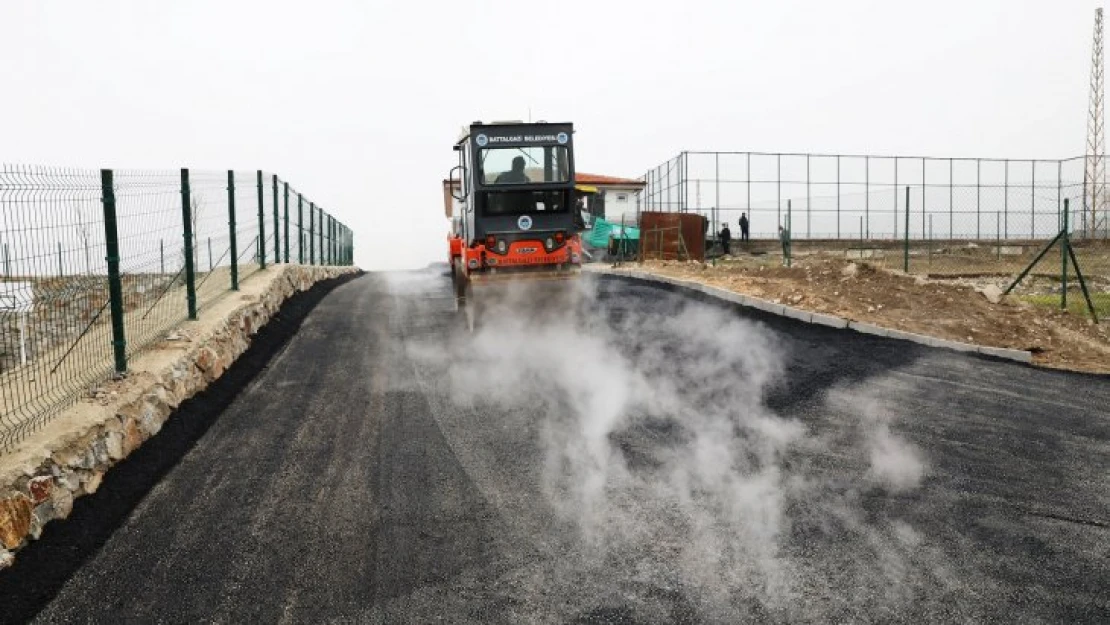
[599,235]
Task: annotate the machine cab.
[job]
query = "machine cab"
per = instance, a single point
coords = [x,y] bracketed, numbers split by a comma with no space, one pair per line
[515,187]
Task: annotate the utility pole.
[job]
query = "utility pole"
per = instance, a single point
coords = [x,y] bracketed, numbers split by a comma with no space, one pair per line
[1094,174]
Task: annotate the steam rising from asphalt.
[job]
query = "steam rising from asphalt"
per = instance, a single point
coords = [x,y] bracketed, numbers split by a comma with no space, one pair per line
[662,459]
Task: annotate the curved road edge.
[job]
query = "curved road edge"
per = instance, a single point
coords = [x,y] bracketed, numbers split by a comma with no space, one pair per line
[1018,355]
[43,565]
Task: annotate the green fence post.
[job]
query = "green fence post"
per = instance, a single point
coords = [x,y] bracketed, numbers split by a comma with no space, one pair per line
[286,237]
[234,252]
[277,223]
[998,236]
[1064,247]
[115,286]
[906,245]
[786,235]
[187,220]
[261,243]
[300,229]
[311,233]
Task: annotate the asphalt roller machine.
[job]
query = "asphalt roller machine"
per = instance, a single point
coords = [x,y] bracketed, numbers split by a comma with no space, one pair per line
[515,223]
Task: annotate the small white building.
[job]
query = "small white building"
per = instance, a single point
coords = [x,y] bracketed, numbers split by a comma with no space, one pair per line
[611,198]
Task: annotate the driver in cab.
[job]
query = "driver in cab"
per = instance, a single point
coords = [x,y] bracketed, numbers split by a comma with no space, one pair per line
[516,201]
[516,174]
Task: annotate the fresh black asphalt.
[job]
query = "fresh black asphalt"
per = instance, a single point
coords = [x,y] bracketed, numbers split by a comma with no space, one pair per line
[346,471]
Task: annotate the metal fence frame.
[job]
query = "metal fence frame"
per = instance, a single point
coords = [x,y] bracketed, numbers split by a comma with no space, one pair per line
[95,269]
[995,184]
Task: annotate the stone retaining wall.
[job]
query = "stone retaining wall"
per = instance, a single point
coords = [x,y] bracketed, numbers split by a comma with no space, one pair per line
[69,457]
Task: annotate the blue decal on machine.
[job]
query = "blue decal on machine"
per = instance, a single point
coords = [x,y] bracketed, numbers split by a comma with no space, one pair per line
[481,140]
[562,137]
[524,223]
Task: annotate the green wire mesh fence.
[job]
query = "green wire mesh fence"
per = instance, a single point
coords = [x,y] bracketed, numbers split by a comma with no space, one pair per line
[98,265]
[964,242]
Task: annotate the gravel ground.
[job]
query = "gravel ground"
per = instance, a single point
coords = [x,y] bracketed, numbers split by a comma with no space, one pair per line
[650,459]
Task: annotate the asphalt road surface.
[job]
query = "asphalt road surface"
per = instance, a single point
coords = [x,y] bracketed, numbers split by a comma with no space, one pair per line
[643,457]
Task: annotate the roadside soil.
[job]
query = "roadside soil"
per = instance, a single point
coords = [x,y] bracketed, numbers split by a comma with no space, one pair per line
[955,309]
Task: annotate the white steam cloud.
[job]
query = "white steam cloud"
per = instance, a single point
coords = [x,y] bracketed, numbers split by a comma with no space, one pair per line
[665,469]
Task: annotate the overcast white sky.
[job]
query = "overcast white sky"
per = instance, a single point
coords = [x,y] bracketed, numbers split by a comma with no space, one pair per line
[358,102]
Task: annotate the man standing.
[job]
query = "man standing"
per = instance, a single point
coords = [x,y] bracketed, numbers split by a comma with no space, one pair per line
[744,227]
[726,237]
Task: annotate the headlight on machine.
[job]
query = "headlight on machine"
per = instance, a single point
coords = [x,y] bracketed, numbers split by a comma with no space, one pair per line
[548,243]
[501,246]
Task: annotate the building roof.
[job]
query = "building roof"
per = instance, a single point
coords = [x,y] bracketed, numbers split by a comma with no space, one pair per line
[597,179]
